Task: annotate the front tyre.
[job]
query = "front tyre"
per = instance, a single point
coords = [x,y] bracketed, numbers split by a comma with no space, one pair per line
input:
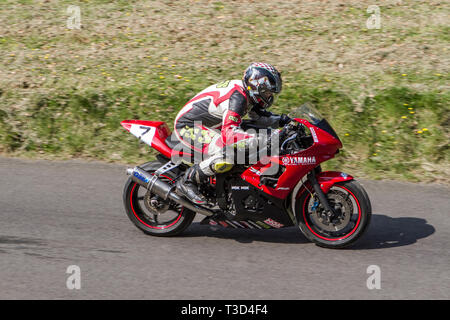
[353,212]
[151,214]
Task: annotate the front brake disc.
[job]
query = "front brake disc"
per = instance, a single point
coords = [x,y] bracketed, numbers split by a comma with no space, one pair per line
[338,201]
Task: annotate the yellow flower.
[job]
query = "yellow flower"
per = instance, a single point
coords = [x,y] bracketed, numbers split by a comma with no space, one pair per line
[437,74]
[374,154]
[412,112]
[161,77]
[347,134]
[383,131]
[403,117]
[404,74]
[405,104]
[424,129]
[187,80]
[420,131]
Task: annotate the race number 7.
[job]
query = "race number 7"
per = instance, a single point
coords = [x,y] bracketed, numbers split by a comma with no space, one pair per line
[146,130]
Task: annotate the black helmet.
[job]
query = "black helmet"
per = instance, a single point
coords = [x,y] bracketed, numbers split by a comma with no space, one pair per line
[262,81]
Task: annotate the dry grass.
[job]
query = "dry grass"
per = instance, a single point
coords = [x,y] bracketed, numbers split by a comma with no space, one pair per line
[321,39]
[177,47]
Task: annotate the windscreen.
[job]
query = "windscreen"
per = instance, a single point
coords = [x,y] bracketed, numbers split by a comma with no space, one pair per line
[308,112]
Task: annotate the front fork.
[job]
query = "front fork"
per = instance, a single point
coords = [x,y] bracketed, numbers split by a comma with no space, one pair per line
[321,195]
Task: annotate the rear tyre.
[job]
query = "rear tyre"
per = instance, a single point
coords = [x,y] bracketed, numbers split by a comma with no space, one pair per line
[353,208]
[151,214]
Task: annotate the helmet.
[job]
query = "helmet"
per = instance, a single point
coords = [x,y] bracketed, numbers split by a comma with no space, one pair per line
[262,81]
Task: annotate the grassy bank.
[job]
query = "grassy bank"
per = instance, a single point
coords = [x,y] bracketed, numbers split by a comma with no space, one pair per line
[64,92]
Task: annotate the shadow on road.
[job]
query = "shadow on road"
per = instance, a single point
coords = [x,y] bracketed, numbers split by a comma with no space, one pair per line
[383,232]
[387,232]
[285,235]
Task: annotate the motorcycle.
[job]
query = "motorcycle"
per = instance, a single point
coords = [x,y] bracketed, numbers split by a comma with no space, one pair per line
[330,208]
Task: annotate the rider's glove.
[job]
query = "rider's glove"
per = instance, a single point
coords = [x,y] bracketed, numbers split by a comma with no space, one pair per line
[284,119]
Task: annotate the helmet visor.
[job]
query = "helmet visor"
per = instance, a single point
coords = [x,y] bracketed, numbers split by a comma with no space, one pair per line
[268,97]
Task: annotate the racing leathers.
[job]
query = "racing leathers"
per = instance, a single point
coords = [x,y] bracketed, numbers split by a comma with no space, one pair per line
[211,122]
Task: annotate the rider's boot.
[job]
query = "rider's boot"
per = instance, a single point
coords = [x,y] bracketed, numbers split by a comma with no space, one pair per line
[188,185]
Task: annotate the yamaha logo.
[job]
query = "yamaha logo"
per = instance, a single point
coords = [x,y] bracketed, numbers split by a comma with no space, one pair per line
[292,161]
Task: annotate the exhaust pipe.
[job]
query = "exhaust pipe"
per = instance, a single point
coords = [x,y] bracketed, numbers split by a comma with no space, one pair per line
[163,189]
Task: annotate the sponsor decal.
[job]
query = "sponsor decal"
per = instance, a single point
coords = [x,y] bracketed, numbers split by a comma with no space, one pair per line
[212,223]
[232,223]
[246,224]
[273,223]
[262,224]
[240,188]
[313,133]
[294,161]
[238,224]
[283,188]
[232,118]
[140,177]
[223,224]
[254,224]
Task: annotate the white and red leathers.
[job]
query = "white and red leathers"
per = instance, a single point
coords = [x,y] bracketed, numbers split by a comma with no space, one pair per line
[211,120]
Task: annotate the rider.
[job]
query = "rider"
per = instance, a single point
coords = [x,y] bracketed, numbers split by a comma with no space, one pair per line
[222,107]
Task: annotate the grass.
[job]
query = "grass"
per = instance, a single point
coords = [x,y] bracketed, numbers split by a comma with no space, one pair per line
[64,92]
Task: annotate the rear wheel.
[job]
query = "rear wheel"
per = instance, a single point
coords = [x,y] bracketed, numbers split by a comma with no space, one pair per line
[353,212]
[152,214]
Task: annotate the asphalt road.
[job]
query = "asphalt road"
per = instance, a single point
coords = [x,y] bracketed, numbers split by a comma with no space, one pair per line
[57,214]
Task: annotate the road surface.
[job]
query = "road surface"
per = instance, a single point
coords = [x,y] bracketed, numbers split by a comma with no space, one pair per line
[55,214]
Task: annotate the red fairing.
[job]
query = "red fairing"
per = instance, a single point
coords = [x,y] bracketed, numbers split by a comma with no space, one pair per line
[327,179]
[297,165]
[161,134]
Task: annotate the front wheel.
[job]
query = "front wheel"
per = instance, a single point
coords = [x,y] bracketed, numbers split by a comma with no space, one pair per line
[353,212]
[150,213]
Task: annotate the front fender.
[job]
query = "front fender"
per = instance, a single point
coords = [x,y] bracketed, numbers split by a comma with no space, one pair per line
[327,179]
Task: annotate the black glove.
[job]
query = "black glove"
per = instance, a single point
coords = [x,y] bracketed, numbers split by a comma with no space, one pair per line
[284,120]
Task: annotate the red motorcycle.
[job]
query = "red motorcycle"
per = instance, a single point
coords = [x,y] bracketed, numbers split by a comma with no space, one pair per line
[330,208]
